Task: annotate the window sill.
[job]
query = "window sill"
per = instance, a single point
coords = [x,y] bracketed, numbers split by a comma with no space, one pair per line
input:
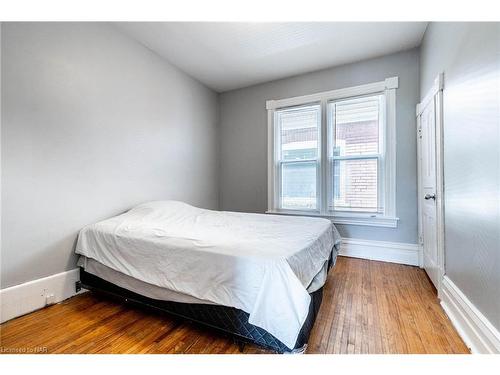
[348,219]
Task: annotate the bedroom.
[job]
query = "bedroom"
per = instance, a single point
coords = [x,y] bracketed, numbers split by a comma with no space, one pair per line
[253,187]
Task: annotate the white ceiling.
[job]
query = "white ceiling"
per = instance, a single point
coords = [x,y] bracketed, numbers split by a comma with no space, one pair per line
[226,55]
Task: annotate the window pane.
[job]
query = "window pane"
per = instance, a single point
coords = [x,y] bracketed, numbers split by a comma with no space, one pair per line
[299,129]
[298,185]
[355,185]
[356,126]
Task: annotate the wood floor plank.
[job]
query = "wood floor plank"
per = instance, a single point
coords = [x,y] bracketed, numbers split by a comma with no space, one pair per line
[368,307]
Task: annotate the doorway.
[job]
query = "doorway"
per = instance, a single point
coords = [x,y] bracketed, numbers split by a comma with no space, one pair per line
[430,182]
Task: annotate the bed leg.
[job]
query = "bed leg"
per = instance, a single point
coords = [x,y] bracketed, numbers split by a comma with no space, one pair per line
[241,345]
[78,286]
[301,350]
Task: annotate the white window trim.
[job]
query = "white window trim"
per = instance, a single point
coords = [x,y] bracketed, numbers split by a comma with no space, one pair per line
[388,219]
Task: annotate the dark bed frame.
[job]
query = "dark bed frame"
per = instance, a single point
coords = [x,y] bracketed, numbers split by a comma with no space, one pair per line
[229,320]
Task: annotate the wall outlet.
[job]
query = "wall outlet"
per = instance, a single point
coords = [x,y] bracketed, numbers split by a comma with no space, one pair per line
[50,299]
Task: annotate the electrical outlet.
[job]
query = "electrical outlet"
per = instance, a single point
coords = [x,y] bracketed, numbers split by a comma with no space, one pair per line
[50,299]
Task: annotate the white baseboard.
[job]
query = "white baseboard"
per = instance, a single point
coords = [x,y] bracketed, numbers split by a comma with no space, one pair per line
[33,295]
[474,328]
[394,252]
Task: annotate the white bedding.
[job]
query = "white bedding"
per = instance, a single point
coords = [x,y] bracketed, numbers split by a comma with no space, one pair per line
[135,285]
[261,264]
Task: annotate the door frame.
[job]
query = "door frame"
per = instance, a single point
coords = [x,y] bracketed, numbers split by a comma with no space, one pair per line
[435,93]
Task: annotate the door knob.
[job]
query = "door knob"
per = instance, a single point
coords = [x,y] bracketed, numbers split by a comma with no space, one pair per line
[429,196]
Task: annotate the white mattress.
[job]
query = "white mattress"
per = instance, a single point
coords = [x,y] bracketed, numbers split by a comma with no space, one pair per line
[262,264]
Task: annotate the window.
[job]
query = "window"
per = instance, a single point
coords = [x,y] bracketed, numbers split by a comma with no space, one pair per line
[333,154]
[298,131]
[356,153]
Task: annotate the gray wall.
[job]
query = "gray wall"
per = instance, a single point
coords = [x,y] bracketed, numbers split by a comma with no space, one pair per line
[93,123]
[469,56]
[243,175]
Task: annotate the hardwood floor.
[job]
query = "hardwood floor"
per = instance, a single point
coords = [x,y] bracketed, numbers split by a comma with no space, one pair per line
[368,307]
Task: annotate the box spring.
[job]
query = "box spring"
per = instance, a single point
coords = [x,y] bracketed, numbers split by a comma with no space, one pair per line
[229,320]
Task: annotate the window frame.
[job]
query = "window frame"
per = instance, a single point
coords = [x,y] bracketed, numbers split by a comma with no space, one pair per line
[387,162]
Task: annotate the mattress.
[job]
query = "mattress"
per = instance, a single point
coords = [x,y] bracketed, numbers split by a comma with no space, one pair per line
[265,265]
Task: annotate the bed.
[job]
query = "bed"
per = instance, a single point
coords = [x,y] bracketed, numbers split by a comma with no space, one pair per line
[258,277]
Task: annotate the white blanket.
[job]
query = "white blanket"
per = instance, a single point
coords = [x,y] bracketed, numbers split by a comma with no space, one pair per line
[261,264]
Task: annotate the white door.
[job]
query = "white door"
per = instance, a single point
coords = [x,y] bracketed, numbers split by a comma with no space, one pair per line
[428,191]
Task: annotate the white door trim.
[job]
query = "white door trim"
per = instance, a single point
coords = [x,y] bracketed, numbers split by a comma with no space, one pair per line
[435,93]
